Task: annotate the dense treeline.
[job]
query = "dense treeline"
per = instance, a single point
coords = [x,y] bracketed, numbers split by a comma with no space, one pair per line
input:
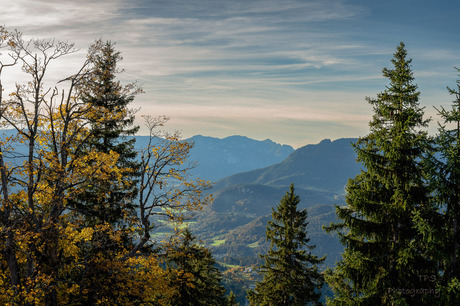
[79,205]
[400,224]
[77,208]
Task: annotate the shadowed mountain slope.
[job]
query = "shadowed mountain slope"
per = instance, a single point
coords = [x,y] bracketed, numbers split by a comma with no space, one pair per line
[324,166]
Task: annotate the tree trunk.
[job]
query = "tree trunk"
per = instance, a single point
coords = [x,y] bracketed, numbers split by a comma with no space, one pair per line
[11,260]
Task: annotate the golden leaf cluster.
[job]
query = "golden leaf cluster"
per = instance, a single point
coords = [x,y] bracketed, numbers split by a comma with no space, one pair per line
[52,252]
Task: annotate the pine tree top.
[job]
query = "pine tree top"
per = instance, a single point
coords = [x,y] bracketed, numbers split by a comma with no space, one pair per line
[290,272]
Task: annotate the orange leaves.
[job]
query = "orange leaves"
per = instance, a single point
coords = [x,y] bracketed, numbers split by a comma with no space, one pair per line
[71,238]
[56,243]
[141,277]
[7,37]
[166,189]
[53,165]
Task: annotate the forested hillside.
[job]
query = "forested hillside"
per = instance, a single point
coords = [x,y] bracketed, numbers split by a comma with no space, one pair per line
[233,223]
[91,214]
[79,204]
[217,158]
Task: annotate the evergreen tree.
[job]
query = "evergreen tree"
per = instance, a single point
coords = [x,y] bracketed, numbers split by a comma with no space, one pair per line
[231,299]
[54,252]
[444,166]
[193,273]
[110,201]
[111,126]
[290,273]
[383,260]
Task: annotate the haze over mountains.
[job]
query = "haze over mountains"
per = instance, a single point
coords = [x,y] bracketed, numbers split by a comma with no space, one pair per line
[217,158]
[251,177]
[323,166]
[234,225]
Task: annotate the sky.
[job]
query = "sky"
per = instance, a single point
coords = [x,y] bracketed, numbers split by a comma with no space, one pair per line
[293,71]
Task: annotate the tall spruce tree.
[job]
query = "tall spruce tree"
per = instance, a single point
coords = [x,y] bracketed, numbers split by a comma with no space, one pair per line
[383,262]
[290,273]
[110,128]
[444,166]
[108,201]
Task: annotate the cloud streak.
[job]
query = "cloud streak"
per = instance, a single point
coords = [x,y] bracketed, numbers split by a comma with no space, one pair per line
[218,67]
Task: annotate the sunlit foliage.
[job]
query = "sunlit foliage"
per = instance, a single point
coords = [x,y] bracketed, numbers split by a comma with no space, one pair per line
[51,254]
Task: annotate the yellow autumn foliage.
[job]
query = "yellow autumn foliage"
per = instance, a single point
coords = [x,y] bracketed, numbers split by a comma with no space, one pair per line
[52,254]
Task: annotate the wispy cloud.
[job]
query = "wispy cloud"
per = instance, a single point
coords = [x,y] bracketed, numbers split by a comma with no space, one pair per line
[250,67]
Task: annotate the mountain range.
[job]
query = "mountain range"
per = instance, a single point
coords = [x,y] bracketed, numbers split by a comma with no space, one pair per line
[324,166]
[218,158]
[215,158]
[252,176]
[234,224]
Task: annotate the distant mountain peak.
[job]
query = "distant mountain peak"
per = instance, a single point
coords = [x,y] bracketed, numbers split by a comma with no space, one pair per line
[221,157]
[241,138]
[326,165]
[237,137]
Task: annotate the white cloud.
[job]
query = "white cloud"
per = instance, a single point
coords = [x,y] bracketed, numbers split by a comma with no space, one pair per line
[40,15]
[238,61]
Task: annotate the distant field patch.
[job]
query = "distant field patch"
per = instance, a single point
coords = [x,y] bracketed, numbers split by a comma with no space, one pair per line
[218,242]
[254,245]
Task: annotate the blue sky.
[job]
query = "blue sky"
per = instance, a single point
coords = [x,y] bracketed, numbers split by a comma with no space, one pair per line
[294,71]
